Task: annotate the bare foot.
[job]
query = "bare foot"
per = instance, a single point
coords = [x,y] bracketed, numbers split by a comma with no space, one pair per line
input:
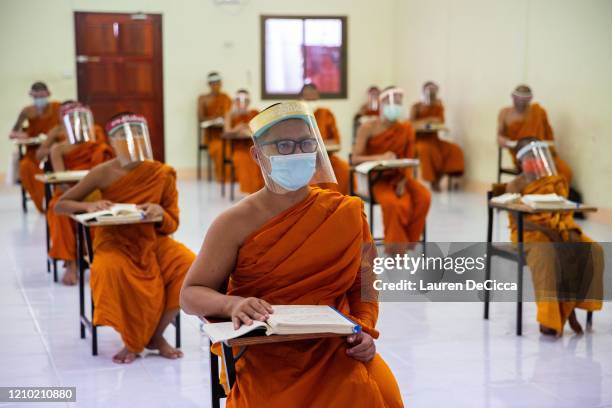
[165,349]
[547,331]
[70,277]
[124,356]
[574,324]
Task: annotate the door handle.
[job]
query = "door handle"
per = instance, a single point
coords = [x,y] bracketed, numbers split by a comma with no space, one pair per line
[86,58]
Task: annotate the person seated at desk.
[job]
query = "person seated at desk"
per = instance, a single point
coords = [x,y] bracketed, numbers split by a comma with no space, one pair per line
[237,122]
[526,119]
[370,108]
[404,201]
[553,265]
[42,116]
[291,243]
[211,106]
[326,122]
[85,148]
[438,157]
[138,269]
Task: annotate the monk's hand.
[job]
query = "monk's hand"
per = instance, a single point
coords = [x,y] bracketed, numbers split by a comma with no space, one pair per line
[245,310]
[98,205]
[388,156]
[503,141]
[361,347]
[151,211]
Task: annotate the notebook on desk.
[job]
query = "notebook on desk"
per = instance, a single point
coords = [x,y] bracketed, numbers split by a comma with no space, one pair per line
[287,319]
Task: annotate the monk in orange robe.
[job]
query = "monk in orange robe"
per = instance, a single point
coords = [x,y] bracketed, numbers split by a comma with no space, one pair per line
[438,157]
[541,231]
[42,117]
[82,153]
[331,136]
[236,121]
[214,106]
[309,246]
[138,269]
[404,201]
[526,119]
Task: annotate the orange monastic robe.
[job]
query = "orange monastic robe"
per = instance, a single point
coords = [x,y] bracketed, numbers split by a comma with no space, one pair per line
[326,121]
[276,263]
[247,170]
[61,228]
[29,167]
[213,106]
[535,124]
[138,270]
[438,157]
[541,258]
[403,216]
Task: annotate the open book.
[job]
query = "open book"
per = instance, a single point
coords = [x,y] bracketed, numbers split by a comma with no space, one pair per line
[67,175]
[287,319]
[545,201]
[506,198]
[118,212]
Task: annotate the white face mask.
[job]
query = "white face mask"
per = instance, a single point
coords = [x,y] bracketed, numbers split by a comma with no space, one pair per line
[293,171]
[41,103]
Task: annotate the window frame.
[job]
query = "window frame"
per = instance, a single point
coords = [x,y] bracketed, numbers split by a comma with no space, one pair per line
[343,94]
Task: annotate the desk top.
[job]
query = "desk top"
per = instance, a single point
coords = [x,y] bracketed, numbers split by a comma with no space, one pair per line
[212,123]
[381,165]
[30,141]
[432,127]
[523,208]
[110,223]
[276,338]
[235,136]
[62,177]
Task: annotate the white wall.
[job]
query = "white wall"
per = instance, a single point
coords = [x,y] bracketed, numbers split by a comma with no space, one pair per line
[478,50]
[37,42]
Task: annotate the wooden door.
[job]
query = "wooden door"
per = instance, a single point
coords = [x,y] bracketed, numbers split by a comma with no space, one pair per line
[119,68]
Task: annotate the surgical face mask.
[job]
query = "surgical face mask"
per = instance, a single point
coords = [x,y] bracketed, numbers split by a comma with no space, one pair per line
[392,112]
[41,102]
[293,171]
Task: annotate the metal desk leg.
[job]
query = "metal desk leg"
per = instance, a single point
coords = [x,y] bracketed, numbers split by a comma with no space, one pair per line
[216,390]
[81,270]
[520,263]
[177,328]
[222,167]
[230,369]
[487,293]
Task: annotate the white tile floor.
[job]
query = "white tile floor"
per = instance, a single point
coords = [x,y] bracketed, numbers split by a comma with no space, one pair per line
[441,353]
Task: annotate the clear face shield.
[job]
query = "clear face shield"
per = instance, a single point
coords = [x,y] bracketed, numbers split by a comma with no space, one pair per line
[373,96]
[290,151]
[430,93]
[129,137]
[392,104]
[241,102]
[536,161]
[78,123]
[521,99]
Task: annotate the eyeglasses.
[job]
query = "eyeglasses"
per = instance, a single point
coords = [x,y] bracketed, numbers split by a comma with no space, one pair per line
[287,146]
